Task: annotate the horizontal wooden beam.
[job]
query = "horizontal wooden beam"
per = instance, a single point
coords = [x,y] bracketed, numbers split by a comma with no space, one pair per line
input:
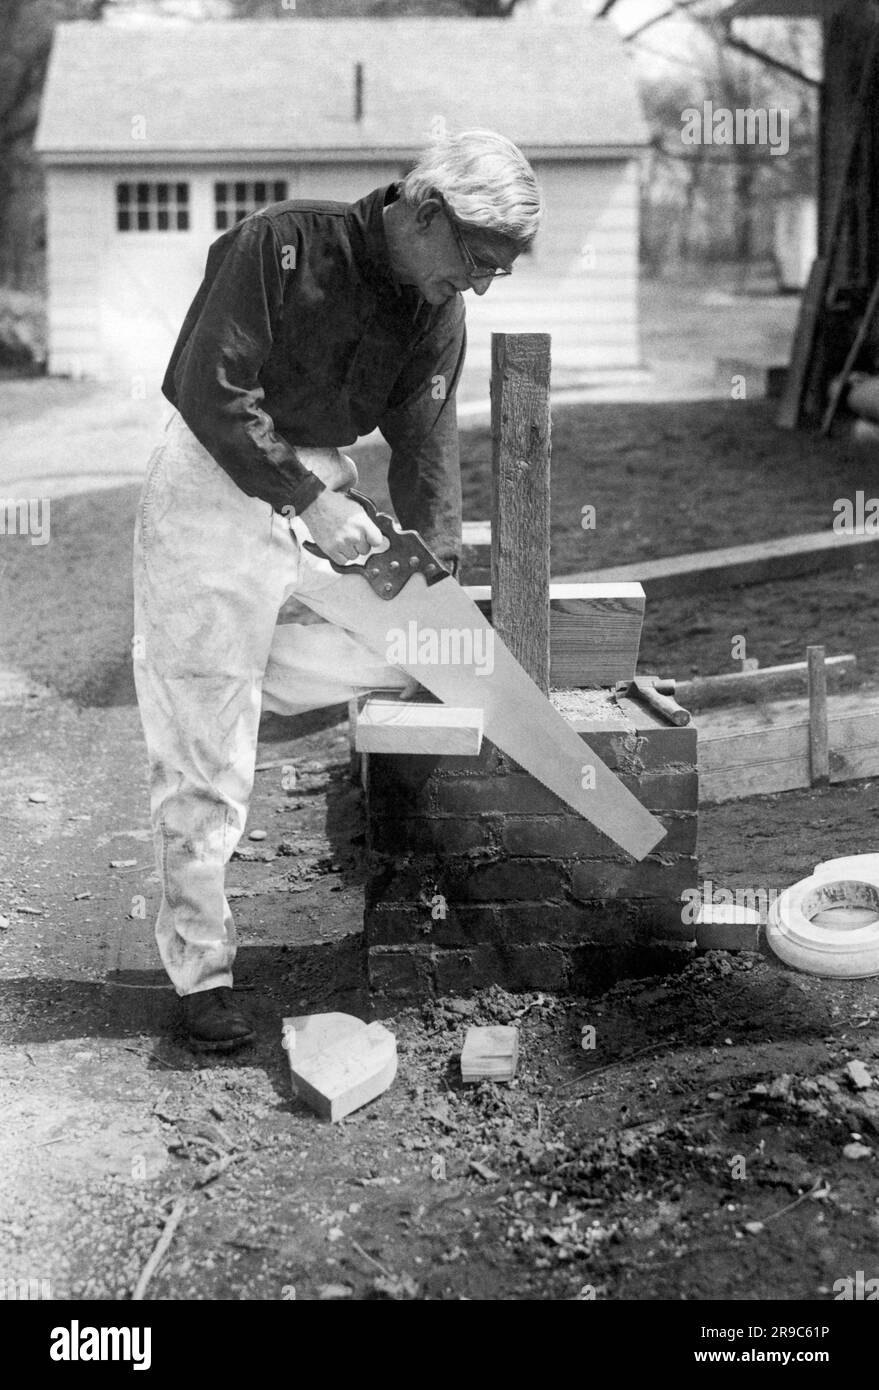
[395,726]
[757,563]
[743,752]
[767,682]
[594,631]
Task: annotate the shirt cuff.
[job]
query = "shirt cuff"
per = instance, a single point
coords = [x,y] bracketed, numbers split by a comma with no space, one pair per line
[305,493]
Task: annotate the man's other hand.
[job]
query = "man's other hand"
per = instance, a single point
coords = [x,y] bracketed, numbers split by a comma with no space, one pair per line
[341,527]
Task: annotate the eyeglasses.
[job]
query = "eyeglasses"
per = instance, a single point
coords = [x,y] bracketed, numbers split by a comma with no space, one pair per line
[475,271]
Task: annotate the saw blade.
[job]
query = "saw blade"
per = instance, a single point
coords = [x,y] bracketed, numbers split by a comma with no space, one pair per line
[436,633]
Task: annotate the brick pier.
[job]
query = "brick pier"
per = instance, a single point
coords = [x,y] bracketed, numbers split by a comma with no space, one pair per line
[477,873]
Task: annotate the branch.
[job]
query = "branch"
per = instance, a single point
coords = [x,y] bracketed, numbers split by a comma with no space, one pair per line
[605,9]
[674,9]
[742,47]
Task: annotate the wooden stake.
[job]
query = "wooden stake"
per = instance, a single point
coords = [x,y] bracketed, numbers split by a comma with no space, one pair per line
[819,756]
[520,431]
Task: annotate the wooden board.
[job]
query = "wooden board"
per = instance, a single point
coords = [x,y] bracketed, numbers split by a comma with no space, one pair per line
[520,437]
[394,726]
[594,631]
[756,563]
[811,306]
[746,752]
[490,1054]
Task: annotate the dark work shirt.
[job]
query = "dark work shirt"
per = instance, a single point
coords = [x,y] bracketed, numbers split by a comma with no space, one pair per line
[299,335]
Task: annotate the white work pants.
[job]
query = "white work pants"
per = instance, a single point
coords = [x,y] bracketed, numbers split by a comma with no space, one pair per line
[212,568]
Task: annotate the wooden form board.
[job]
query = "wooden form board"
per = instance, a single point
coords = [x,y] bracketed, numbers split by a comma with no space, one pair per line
[744,752]
[757,563]
[395,726]
[594,631]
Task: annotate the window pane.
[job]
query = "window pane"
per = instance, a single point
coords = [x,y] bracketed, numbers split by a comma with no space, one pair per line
[240,193]
[239,213]
[123,193]
[162,190]
[143,221]
[259,194]
[222,219]
[220,194]
[143,192]
[280,191]
[183,221]
[183,192]
[123,221]
[162,221]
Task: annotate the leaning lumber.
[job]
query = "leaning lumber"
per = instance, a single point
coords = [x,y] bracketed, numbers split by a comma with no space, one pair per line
[756,563]
[765,683]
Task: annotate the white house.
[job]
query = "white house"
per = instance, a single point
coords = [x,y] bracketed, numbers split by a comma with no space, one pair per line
[156,138]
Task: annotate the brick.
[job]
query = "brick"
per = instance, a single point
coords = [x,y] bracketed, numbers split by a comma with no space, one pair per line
[610,922]
[412,880]
[432,834]
[461,880]
[568,923]
[512,967]
[413,769]
[666,791]
[489,762]
[462,925]
[499,795]
[649,879]
[402,974]
[560,837]
[645,750]
[682,829]
[595,969]
[570,837]
[517,880]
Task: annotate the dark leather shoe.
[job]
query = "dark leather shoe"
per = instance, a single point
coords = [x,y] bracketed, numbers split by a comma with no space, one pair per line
[213,1021]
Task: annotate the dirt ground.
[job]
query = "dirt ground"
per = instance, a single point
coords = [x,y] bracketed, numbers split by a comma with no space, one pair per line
[635,1169]
[696,1153]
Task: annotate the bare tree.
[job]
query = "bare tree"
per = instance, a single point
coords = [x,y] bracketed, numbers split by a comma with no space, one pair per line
[26,28]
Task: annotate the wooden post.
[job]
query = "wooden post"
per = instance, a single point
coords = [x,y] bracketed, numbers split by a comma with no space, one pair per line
[819,756]
[520,431]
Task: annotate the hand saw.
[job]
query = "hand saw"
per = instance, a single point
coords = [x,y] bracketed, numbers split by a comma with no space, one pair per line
[409,608]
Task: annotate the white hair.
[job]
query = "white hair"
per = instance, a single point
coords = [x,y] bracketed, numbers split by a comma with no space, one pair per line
[486,181]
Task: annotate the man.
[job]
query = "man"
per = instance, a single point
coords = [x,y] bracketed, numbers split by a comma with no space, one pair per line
[315,323]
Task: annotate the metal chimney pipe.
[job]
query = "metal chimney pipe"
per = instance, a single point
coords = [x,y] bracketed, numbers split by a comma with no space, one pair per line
[358,91]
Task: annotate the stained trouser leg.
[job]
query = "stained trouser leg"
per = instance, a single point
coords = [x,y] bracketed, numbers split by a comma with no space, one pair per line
[212,568]
[210,573]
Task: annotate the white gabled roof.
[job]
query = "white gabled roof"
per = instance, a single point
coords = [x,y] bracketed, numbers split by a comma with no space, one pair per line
[287,87]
